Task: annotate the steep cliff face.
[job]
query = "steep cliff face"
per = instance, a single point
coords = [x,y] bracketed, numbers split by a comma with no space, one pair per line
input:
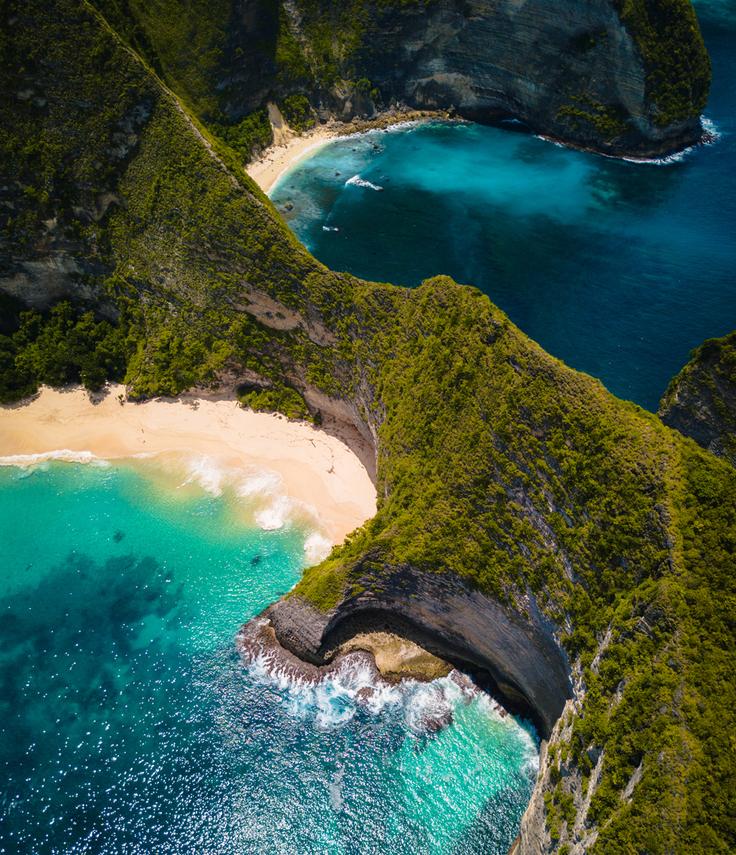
[583,71]
[619,76]
[701,400]
[532,524]
[513,649]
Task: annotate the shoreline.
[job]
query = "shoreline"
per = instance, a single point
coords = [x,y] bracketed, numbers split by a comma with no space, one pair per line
[292,466]
[281,157]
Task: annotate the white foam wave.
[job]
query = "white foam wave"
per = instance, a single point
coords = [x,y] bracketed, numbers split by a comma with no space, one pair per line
[357,181]
[276,514]
[64,455]
[332,700]
[330,229]
[316,548]
[207,473]
[259,483]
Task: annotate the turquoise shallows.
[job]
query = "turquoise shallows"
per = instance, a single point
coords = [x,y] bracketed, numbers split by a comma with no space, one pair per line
[620,269]
[128,723]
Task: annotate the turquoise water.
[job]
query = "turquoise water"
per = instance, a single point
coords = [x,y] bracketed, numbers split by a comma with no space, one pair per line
[129,724]
[618,268]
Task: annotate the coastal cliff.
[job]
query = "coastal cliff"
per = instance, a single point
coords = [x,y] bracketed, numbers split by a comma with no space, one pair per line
[565,544]
[619,77]
[701,400]
[593,74]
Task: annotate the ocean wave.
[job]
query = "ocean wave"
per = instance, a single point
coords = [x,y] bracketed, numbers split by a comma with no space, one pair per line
[331,695]
[316,548]
[64,455]
[357,181]
[263,493]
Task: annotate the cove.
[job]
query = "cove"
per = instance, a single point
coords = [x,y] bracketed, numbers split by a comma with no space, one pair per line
[618,268]
[129,723]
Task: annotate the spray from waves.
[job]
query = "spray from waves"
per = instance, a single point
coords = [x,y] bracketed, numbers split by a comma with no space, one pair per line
[263,492]
[331,695]
[357,181]
[63,455]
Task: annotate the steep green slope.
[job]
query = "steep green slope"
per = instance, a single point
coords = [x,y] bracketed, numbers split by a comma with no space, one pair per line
[701,400]
[497,465]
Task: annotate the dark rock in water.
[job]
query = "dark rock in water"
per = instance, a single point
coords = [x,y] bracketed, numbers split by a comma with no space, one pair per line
[433,723]
[118,536]
[288,206]
[517,656]
[256,559]
[365,694]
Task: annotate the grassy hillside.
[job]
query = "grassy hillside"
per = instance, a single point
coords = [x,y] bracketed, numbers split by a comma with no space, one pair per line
[495,461]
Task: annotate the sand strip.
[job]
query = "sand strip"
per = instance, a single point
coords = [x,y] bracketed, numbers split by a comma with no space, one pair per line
[313,468]
[289,148]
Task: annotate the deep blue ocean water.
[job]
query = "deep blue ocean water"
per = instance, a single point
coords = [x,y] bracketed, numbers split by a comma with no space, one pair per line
[129,724]
[619,269]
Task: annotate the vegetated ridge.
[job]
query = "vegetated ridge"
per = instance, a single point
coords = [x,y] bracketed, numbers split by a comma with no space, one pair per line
[566,542]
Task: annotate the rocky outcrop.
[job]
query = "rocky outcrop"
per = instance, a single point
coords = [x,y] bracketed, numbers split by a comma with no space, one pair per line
[580,71]
[701,400]
[515,654]
[622,78]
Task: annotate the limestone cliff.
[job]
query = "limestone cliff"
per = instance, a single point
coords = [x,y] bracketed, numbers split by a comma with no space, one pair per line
[619,76]
[701,400]
[567,545]
[584,71]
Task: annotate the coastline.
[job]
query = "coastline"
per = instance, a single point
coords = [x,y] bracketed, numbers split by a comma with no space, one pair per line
[294,463]
[282,156]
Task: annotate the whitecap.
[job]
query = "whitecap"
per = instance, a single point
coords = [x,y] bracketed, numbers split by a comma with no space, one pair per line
[259,483]
[316,547]
[207,473]
[276,514]
[65,455]
[357,181]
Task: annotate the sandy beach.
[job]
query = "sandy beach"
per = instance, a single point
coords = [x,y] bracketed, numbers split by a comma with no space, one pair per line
[290,469]
[289,151]
[289,148]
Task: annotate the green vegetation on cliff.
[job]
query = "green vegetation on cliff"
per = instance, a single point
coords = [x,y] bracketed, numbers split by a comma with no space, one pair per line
[675,59]
[495,462]
[701,400]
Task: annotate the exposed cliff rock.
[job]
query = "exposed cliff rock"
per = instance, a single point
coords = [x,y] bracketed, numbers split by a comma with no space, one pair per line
[584,72]
[701,400]
[534,518]
[619,77]
[515,652]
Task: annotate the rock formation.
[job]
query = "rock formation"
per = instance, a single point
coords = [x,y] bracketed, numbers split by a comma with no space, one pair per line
[701,401]
[569,547]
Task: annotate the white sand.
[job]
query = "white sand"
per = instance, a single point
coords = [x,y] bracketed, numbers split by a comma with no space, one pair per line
[304,472]
[281,157]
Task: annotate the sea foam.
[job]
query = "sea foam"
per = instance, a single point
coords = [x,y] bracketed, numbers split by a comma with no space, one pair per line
[64,455]
[357,181]
[331,695]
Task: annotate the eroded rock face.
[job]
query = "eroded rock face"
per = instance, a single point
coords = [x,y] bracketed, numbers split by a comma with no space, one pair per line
[571,70]
[701,400]
[517,654]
